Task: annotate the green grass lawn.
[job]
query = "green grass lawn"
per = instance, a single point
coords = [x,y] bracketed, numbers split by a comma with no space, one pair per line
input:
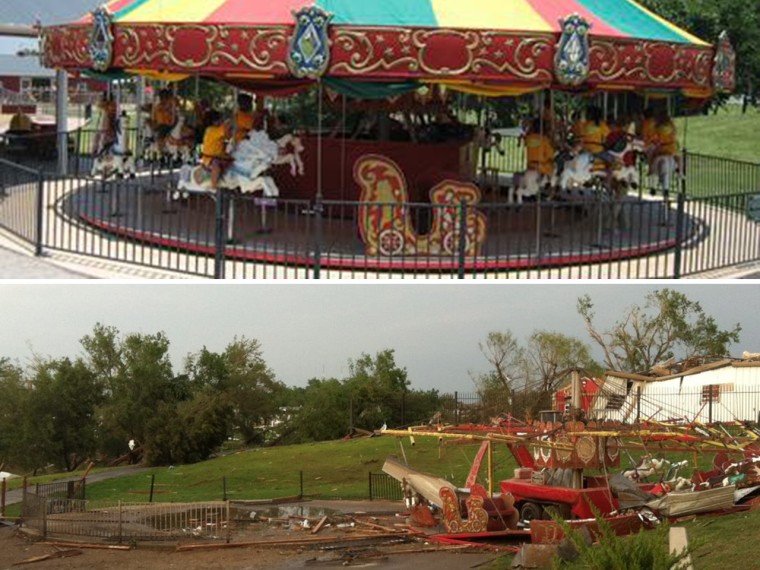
[728,133]
[330,470]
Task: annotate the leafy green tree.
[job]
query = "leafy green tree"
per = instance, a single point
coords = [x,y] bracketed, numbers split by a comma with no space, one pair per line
[377,388]
[13,394]
[668,325]
[550,357]
[322,412]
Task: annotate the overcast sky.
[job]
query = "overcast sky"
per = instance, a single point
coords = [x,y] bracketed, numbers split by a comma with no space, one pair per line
[311,331]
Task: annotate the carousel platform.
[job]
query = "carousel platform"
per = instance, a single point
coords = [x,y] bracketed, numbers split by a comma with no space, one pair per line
[562,232]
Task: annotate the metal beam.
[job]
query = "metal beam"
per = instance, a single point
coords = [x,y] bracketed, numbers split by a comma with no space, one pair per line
[19,31]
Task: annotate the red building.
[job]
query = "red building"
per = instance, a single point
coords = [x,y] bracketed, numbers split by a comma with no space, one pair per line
[589,389]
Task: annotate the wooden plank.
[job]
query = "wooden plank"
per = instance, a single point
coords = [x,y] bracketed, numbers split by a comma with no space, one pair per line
[320,524]
[84,545]
[285,542]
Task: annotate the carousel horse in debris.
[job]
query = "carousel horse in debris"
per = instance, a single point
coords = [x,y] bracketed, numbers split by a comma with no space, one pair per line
[115,157]
[251,161]
[385,223]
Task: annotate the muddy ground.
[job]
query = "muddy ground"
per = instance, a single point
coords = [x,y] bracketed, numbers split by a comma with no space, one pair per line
[346,546]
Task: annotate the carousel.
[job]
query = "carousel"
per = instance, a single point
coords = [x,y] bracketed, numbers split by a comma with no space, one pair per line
[396,67]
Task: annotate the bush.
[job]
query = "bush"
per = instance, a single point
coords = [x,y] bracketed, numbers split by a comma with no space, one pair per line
[646,550]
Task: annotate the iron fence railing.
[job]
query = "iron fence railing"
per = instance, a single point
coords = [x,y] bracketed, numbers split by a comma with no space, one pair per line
[384,487]
[571,235]
[21,198]
[62,490]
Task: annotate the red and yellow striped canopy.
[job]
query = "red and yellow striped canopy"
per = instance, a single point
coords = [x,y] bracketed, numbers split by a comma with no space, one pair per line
[609,18]
[487,46]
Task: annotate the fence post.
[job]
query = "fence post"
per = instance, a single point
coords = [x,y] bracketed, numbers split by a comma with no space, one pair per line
[40,210]
[456,408]
[462,238]
[638,404]
[678,255]
[300,477]
[44,517]
[3,487]
[224,488]
[219,236]
[318,238]
[369,476]
[229,524]
[120,522]
[709,404]
[23,497]
[152,484]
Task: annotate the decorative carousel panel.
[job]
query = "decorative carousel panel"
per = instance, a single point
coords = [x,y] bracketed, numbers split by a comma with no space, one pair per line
[208,48]
[650,64]
[66,46]
[405,52]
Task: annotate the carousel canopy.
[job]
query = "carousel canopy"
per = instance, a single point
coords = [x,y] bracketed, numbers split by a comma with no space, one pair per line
[496,47]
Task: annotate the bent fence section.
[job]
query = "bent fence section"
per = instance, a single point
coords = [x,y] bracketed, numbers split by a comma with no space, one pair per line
[119,522]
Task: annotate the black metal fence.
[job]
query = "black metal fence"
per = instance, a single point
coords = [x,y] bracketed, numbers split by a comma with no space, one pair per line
[62,490]
[710,226]
[384,487]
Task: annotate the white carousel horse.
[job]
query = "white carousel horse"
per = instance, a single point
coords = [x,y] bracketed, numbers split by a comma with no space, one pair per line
[578,171]
[179,143]
[152,151]
[252,158]
[664,170]
[115,158]
[529,184]
[626,171]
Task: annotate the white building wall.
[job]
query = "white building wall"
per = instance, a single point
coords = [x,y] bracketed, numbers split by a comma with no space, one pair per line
[737,397]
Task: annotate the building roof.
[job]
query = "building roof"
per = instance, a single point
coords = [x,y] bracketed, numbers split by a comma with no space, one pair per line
[723,363]
[26,13]
[27,66]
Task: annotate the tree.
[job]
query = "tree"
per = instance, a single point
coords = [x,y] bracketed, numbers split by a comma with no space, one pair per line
[551,356]
[12,402]
[668,325]
[504,354]
[377,387]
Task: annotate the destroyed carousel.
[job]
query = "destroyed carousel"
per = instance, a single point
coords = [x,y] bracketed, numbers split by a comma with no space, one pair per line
[576,465]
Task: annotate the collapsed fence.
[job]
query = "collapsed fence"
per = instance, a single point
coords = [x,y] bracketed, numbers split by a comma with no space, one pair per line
[118,521]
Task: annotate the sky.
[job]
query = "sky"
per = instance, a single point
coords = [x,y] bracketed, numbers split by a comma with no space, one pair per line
[312,331]
[13,45]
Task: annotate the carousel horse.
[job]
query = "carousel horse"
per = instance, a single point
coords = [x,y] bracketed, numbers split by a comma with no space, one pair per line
[577,171]
[115,157]
[152,151]
[251,160]
[626,170]
[180,142]
[385,223]
[664,170]
[529,184]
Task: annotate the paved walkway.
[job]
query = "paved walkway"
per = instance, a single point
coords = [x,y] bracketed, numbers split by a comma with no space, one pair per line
[15,496]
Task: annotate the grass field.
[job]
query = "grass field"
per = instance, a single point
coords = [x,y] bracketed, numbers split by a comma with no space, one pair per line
[728,134]
[330,470]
